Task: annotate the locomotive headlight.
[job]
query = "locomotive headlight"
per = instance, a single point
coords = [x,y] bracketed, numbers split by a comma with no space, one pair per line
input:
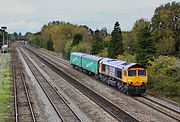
[130,82]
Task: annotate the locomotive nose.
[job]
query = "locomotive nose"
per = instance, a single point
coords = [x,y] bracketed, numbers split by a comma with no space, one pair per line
[137,83]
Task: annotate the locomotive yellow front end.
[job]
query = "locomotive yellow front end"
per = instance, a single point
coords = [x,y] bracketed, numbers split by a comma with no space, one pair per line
[137,76]
[137,80]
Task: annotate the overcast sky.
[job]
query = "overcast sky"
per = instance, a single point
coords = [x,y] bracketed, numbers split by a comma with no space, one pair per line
[30,15]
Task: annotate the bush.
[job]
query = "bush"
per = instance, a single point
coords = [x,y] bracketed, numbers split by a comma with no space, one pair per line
[82,47]
[104,52]
[127,57]
[164,76]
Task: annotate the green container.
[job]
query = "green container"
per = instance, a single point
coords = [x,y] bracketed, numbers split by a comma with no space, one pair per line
[91,63]
[75,58]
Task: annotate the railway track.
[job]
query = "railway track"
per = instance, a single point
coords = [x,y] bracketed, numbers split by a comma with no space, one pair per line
[65,62]
[112,109]
[170,104]
[172,111]
[22,102]
[60,105]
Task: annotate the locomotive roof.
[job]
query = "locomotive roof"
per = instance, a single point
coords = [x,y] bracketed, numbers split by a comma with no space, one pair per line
[106,60]
[119,63]
[134,65]
[78,54]
[92,57]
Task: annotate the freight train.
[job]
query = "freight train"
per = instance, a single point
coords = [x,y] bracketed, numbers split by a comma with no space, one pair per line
[130,78]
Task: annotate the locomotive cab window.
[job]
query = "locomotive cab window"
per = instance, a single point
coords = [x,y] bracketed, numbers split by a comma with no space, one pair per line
[132,73]
[141,72]
[119,74]
[103,68]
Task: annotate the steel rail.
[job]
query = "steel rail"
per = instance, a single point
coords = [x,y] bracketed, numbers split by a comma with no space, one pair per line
[171,109]
[153,107]
[15,90]
[17,63]
[40,82]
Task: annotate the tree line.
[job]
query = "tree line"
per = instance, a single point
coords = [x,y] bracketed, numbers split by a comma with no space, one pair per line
[6,36]
[146,40]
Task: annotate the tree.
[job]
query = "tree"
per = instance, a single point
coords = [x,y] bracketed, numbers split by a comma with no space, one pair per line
[1,37]
[50,44]
[165,25]
[139,24]
[77,38]
[103,32]
[116,46]
[15,35]
[20,35]
[129,42]
[97,45]
[165,46]
[62,32]
[67,49]
[145,45]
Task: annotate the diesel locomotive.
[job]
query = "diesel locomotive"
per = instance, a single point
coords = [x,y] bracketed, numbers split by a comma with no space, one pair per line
[130,78]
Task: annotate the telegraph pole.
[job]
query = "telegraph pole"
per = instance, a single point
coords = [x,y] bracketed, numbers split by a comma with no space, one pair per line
[7,55]
[3,29]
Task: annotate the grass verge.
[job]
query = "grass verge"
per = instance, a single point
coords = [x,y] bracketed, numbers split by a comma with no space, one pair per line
[5,93]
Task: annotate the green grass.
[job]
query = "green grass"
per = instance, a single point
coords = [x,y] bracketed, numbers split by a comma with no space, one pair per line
[5,94]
